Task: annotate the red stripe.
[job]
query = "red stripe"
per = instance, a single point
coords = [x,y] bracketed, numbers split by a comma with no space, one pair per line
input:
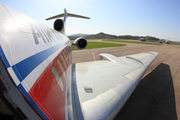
[47,93]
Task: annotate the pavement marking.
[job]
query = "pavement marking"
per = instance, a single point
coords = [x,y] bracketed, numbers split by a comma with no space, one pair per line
[93,56]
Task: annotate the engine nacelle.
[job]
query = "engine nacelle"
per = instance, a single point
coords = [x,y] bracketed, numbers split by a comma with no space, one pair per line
[80,43]
[59,25]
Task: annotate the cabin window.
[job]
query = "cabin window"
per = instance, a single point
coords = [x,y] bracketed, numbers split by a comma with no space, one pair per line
[65,56]
[58,78]
[60,65]
[65,52]
[63,61]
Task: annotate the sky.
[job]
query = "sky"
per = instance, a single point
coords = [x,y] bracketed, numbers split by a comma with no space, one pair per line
[157,18]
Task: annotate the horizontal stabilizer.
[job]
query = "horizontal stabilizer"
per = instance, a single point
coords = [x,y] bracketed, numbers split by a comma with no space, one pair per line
[68,15]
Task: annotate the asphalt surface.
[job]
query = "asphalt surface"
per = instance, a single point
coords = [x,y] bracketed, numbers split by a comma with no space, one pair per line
[157,97]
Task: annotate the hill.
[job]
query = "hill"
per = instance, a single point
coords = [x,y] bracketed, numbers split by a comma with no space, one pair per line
[108,36]
[102,35]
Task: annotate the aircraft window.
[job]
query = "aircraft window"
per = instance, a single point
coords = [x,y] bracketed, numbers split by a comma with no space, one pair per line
[58,78]
[63,61]
[65,52]
[65,56]
[60,65]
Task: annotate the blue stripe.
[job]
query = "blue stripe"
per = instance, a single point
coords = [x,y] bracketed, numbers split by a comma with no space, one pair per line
[33,104]
[23,68]
[4,58]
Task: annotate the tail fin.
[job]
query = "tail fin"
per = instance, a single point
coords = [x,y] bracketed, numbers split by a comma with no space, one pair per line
[65,15]
[60,24]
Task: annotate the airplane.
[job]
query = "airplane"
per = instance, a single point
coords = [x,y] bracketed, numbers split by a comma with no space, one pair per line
[143,39]
[39,81]
[167,42]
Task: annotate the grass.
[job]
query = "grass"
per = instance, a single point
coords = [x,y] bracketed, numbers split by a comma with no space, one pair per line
[175,43]
[93,45]
[133,42]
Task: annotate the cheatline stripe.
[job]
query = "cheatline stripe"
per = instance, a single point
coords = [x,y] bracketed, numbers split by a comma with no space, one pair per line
[32,102]
[22,88]
[23,68]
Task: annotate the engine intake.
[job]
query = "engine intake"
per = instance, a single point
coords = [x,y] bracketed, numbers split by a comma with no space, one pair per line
[59,25]
[80,43]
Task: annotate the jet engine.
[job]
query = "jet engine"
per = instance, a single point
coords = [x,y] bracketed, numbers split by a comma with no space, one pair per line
[59,25]
[80,43]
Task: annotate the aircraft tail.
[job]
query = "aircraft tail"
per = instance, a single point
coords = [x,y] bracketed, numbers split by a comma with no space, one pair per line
[59,24]
[65,15]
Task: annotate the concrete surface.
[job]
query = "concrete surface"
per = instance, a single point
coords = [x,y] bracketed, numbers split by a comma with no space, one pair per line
[157,97]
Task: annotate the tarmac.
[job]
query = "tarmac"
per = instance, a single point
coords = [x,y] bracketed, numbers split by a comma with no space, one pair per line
[157,97]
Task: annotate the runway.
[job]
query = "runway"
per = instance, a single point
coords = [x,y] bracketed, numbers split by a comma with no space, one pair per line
[157,97]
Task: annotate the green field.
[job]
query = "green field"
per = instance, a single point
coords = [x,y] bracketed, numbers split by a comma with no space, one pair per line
[175,43]
[133,42]
[93,45]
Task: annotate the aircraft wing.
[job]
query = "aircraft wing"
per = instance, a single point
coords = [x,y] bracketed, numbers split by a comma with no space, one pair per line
[102,87]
